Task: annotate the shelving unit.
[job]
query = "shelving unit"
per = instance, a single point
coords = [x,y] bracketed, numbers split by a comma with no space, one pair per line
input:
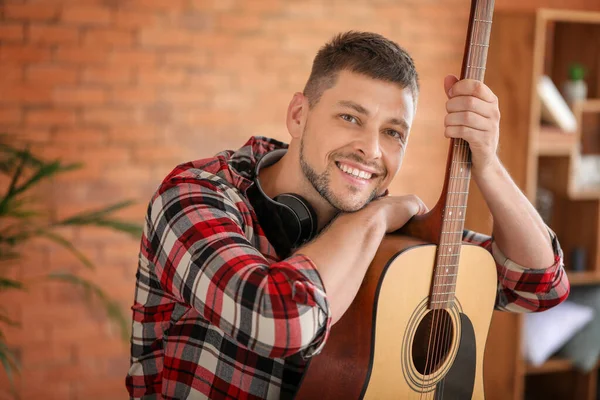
[524,46]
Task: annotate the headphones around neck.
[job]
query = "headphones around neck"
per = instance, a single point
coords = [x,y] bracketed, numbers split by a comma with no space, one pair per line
[288,220]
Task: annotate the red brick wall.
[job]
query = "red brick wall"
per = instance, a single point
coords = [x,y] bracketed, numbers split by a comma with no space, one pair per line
[132,88]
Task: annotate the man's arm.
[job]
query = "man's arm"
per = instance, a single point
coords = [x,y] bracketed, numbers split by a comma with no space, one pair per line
[200,253]
[518,228]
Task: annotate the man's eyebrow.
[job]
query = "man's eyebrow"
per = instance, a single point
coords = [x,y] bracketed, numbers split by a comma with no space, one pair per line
[362,110]
[399,122]
[355,106]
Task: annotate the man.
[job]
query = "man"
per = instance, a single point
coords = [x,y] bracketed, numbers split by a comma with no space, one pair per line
[221,313]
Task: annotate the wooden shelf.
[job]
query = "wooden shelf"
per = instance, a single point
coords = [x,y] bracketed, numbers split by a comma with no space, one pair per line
[583,278]
[553,141]
[553,365]
[590,105]
[550,366]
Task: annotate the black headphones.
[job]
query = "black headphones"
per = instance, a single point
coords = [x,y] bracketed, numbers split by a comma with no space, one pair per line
[288,220]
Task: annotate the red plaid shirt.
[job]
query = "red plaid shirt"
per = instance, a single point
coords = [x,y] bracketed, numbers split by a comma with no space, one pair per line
[218,315]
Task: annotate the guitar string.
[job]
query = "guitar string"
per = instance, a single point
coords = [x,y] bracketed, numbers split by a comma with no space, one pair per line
[476,71]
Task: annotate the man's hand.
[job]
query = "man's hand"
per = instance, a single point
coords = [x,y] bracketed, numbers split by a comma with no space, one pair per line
[473,115]
[395,211]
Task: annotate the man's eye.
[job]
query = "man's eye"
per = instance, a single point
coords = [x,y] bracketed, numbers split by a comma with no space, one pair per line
[395,134]
[349,118]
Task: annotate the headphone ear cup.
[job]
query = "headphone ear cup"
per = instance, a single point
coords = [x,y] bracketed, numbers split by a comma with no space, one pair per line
[301,224]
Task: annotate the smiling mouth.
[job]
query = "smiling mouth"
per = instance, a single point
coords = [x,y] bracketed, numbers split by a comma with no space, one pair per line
[354,172]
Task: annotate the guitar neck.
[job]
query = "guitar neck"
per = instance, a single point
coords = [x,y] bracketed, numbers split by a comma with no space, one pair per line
[458,172]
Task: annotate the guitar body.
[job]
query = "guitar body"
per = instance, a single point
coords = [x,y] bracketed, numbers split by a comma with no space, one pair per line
[378,349]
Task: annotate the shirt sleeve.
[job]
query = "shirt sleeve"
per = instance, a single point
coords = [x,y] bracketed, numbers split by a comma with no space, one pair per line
[523,289]
[204,259]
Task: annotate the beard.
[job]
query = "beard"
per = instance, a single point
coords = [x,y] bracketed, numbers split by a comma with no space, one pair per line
[321,183]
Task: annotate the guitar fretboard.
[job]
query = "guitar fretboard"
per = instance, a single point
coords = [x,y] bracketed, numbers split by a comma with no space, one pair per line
[458,176]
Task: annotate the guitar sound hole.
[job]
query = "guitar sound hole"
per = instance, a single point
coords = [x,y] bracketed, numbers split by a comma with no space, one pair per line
[432,341]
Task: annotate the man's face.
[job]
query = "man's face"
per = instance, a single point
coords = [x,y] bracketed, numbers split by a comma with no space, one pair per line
[359,127]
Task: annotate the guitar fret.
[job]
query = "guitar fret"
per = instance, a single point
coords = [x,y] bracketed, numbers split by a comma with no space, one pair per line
[474,67]
[480,45]
[447,265]
[445,284]
[458,192]
[447,274]
[440,301]
[449,255]
[443,293]
[452,231]
[482,20]
[456,206]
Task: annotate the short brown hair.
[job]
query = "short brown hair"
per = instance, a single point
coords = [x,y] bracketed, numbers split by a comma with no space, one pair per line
[365,53]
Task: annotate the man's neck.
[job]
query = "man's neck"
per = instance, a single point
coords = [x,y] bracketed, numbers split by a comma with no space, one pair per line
[285,176]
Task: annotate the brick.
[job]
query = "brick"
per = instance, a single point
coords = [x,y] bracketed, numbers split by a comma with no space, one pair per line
[52,74]
[239,23]
[214,41]
[161,77]
[131,134]
[129,58]
[12,32]
[137,95]
[24,54]
[157,5]
[50,34]
[135,19]
[10,115]
[187,59]
[108,37]
[32,12]
[207,118]
[50,117]
[44,355]
[263,6]
[185,97]
[45,388]
[80,96]
[109,116]
[213,5]
[80,135]
[40,136]
[81,55]
[113,75]
[156,154]
[161,37]
[11,73]
[101,388]
[24,93]
[87,15]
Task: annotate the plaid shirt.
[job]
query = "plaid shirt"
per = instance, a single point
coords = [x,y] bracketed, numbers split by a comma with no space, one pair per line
[218,315]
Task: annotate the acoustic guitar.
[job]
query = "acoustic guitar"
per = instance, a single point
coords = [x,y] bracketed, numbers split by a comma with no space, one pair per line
[418,326]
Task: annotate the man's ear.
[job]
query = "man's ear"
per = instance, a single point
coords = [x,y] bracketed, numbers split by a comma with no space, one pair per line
[296,115]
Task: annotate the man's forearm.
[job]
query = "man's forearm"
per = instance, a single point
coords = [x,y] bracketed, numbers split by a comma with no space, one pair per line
[518,228]
[343,253]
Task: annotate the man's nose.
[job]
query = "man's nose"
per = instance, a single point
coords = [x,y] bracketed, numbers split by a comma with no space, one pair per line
[368,144]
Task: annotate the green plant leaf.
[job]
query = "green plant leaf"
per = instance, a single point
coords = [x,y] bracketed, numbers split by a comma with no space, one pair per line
[6,284]
[112,308]
[56,238]
[100,218]
[10,364]
[8,321]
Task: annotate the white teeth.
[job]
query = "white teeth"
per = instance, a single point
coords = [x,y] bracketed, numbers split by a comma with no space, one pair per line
[355,172]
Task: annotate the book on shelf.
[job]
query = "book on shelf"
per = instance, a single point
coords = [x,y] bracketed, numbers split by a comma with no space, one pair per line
[554,107]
